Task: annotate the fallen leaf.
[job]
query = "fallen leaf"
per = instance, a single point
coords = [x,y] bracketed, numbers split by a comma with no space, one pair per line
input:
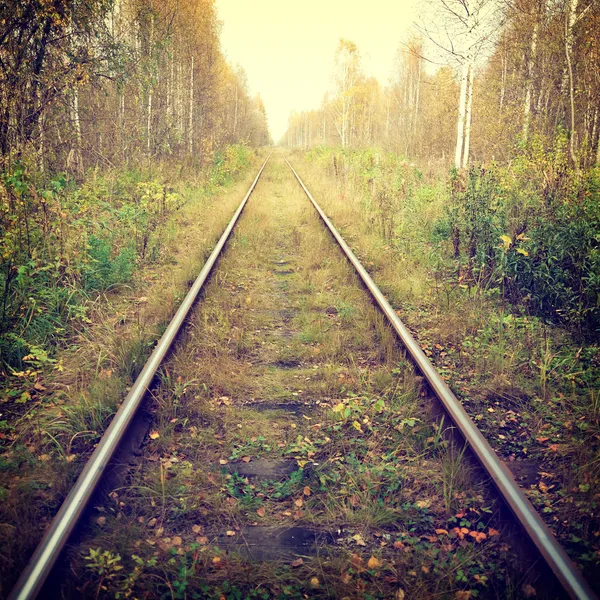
[216,560]
[441,532]
[314,582]
[492,532]
[359,539]
[528,590]
[357,561]
[373,563]
[101,521]
[307,491]
[202,540]
[152,522]
[154,435]
[222,461]
[463,595]
[400,594]
[297,563]
[230,533]
[196,528]
[478,535]
[398,545]
[176,541]
[246,459]
[260,512]
[299,502]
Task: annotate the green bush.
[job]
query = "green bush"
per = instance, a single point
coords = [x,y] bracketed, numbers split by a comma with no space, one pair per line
[60,243]
[541,247]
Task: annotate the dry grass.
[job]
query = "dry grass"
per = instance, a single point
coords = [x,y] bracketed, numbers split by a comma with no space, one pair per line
[286,357]
[54,438]
[530,387]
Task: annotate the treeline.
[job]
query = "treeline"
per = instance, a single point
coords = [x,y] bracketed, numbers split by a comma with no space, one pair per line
[105,82]
[515,72]
[113,114]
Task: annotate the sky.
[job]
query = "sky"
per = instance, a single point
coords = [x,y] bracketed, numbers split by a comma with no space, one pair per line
[287,47]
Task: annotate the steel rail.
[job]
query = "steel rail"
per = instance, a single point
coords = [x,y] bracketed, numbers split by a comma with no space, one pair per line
[33,577]
[553,553]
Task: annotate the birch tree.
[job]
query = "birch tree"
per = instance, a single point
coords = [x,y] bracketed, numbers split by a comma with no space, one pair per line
[347,73]
[461,32]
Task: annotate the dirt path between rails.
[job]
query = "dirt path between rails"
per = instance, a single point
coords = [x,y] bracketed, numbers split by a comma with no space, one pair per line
[292,454]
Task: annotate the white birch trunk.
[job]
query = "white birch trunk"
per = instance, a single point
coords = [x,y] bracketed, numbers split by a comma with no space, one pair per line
[529,81]
[460,125]
[191,111]
[569,24]
[468,116]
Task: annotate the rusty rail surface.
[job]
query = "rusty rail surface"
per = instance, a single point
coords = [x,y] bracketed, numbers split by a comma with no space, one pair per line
[539,533]
[33,577]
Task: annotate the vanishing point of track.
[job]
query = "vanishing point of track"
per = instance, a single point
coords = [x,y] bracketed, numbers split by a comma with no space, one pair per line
[44,558]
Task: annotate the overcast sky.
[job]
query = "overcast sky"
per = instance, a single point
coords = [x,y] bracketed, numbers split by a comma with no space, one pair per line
[287,47]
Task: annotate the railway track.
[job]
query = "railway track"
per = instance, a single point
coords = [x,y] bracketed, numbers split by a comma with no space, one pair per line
[294,414]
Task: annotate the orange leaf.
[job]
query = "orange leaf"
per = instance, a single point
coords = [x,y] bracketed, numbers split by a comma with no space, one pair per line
[154,435]
[260,512]
[297,563]
[299,503]
[478,535]
[492,532]
[307,491]
[373,563]
[246,459]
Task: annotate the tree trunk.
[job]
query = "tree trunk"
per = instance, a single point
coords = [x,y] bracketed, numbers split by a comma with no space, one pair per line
[74,159]
[529,80]
[569,23]
[191,122]
[460,125]
[465,158]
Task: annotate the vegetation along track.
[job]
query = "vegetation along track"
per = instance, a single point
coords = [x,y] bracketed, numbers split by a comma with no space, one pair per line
[294,450]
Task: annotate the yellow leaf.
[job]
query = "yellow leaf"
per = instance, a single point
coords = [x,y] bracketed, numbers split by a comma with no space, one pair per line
[338,407]
[357,426]
[523,252]
[373,563]
[154,435]
[299,503]
[507,240]
[307,491]
[176,541]
[314,582]
[230,533]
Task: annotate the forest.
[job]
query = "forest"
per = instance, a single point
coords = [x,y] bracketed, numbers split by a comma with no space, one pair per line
[514,112]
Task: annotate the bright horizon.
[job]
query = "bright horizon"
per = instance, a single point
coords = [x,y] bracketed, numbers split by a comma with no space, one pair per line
[288,53]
